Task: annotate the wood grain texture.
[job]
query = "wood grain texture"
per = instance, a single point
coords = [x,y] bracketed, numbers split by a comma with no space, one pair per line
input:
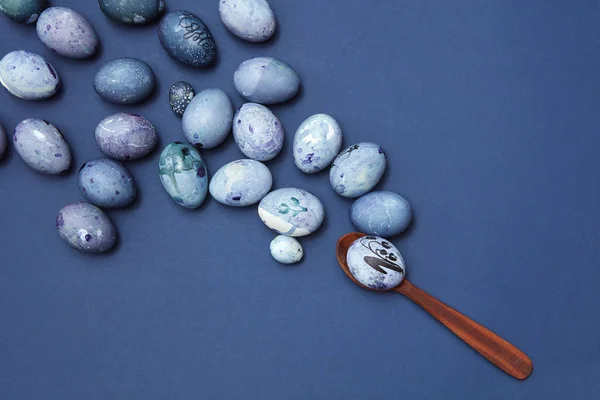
[495,349]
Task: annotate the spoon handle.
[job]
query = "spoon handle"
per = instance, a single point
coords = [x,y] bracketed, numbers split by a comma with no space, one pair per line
[495,349]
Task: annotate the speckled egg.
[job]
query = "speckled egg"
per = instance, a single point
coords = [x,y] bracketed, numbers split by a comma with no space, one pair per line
[207,119]
[23,11]
[317,142]
[381,213]
[133,12]
[125,81]
[291,212]
[241,183]
[28,75]
[86,228]
[186,38]
[376,263]
[180,96]
[67,32]
[42,147]
[257,132]
[251,20]
[286,250]
[183,174]
[3,142]
[358,169]
[125,136]
[266,80]
[106,183]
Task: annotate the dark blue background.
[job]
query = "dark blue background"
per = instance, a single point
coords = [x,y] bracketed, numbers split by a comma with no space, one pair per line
[489,113]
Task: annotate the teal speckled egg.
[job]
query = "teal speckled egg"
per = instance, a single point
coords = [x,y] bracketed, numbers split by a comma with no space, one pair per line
[183,174]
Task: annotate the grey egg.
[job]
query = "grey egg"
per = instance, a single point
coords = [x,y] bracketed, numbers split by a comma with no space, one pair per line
[251,20]
[124,81]
[126,136]
[266,80]
[106,183]
[42,146]
[86,228]
[133,12]
[180,96]
[381,213]
[207,119]
[28,75]
[67,32]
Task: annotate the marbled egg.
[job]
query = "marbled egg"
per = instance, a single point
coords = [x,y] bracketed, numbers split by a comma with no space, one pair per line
[251,20]
[42,146]
[241,183]
[183,174]
[67,32]
[358,169]
[376,263]
[106,183]
[134,12]
[86,228]
[125,136]
[125,81]
[291,212]
[381,213]
[3,142]
[207,119]
[28,75]
[257,132]
[186,38]
[266,80]
[286,250]
[22,11]
[317,142]
[180,96]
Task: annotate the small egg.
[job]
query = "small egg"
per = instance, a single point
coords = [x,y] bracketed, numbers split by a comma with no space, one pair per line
[286,250]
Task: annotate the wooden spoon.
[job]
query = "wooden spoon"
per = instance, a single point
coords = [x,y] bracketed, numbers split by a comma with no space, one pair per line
[495,349]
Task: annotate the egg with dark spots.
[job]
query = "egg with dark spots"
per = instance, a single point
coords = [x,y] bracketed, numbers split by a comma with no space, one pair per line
[258,133]
[67,32]
[132,12]
[124,136]
[28,75]
[22,11]
[241,183]
[86,228]
[106,183]
[317,142]
[358,169]
[125,81]
[42,146]
[207,119]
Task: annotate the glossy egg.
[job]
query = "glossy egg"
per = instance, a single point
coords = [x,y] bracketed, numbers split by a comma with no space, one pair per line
[358,169]
[207,119]
[251,20]
[106,183]
[266,80]
[381,213]
[376,263]
[317,142]
[86,228]
[241,183]
[28,75]
[180,96]
[132,12]
[257,132]
[286,250]
[126,136]
[291,212]
[22,11]
[42,146]
[67,32]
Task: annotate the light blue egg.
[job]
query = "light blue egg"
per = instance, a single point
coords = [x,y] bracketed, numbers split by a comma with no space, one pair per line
[291,212]
[257,132]
[28,75]
[106,183]
[183,174]
[381,213]
[241,183]
[266,80]
[376,263]
[41,146]
[207,119]
[317,142]
[358,169]
[286,250]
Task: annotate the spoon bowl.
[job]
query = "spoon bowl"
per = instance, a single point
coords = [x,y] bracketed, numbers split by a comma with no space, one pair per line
[491,346]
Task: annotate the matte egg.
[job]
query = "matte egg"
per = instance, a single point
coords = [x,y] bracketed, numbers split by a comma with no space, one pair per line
[286,250]
[106,183]
[257,132]
[207,119]
[67,32]
[23,11]
[42,146]
[251,20]
[291,212]
[317,142]
[357,170]
[28,75]
[241,183]
[133,12]
[125,81]
[86,228]
[381,213]
[266,80]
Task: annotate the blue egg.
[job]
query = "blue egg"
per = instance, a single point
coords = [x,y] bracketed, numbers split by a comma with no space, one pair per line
[266,80]
[23,11]
[241,183]
[207,119]
[125,81]
[132,12]
[28,75]
[376,263]
[291,212]
[381,213]
[318,140]
[86,228]
[358,169]
[257,132]
[106,183]
[186,38]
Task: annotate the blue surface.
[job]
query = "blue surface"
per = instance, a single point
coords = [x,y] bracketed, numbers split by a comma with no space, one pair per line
[489,114]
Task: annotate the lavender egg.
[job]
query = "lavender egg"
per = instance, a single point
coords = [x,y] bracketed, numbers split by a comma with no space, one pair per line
[42,146]
[317,142]
[358,169]
[106,183]
[67,32]
[257,132]
[125,136]
[28,75]
[376,263]
[86,228]
[251,20]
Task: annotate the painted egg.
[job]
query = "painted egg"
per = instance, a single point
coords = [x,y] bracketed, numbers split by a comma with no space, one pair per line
[187,39]
[251,20]
[376,263]
[3,142]
[42,147]
[286,250]
[28,75]
[22,11]
[133,12]
[317,142]
[207,119]
[180,96]
[257,132]
[291,212]
[183,174]
[86,228]
[357,170]
[266,80]
[125,81]
[381,213]
[67,32]
[125,136]
[106,183]
[241,183]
